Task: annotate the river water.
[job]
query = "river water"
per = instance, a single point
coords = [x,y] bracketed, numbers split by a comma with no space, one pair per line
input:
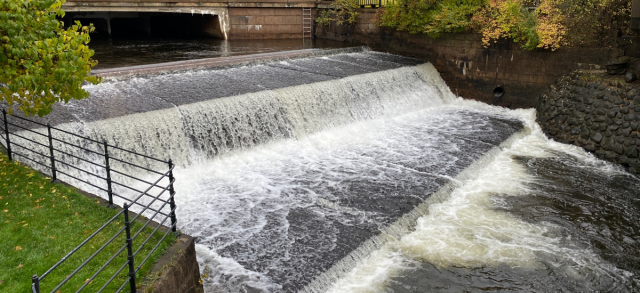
[362,172]
[118,52]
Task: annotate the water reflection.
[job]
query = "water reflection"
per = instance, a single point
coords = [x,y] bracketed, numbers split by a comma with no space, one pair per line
[113,52]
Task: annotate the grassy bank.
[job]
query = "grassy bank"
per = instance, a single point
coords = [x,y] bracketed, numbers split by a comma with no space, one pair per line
[40,222]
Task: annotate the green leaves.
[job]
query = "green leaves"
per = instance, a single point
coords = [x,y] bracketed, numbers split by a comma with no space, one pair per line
[41,63]
[431,17]
[549,25]
[341,11]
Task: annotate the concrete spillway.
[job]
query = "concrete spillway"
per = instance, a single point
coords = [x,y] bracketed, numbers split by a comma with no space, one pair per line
[293,169]
[294,172]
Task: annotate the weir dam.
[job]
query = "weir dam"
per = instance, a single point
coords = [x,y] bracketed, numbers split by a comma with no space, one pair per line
[360,171]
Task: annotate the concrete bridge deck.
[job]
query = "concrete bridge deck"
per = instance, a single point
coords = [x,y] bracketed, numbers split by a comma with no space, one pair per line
[237,19]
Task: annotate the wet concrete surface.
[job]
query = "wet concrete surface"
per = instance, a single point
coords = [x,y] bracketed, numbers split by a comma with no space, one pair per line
[323,232]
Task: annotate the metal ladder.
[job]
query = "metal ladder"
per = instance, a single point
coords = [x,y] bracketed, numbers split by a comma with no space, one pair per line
[307,23]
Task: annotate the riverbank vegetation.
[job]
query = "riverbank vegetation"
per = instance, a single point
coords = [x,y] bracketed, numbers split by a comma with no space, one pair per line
[41,62]
[546,24]
[40,222]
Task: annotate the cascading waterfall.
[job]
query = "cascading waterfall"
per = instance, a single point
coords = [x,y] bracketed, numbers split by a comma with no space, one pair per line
[209,128]
[370,176]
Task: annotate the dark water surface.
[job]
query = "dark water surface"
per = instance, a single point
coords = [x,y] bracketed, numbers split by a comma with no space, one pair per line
[114,52]
[594,212]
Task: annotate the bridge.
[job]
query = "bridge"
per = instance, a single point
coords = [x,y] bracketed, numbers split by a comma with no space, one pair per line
[224,19]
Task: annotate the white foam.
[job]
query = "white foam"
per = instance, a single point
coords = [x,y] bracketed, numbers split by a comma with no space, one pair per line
[468,230]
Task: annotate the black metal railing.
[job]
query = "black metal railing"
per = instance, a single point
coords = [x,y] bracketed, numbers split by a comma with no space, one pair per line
[112,172]
[372,3]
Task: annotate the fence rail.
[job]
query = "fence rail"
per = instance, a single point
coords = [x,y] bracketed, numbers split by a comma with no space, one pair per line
[371,3]
[112,172]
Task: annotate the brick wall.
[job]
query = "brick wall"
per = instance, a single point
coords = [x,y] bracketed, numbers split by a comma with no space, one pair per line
[471,70]
[265,23]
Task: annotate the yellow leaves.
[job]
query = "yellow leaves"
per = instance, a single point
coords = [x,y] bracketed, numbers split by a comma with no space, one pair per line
[17,248]
[6,211]
[19,266]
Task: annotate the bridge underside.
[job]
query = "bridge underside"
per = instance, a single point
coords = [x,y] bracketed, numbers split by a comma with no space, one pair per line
[153,23]
[275,19]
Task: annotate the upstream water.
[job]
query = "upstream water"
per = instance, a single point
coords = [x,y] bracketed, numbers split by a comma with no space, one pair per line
[362,172]
[118,52]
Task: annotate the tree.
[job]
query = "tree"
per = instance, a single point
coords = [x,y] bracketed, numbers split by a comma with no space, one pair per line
[41,62]
[341,11]
[534,24]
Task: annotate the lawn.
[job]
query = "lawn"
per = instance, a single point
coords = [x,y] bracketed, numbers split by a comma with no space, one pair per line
[40,222]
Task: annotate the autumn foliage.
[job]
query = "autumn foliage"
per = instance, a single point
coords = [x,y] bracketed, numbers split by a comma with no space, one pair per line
[534,24]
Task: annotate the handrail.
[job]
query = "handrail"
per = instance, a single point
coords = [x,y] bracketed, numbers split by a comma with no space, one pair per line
[78,163]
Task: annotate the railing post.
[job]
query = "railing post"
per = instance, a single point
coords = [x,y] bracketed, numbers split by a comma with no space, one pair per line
[6,134]
[53,160]
[35,284]
[108,169]
[132,271]
[172,202]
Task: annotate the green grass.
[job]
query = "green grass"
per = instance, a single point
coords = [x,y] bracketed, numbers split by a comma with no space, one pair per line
[40,222]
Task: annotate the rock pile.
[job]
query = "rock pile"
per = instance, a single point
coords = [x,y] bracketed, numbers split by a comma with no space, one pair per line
[601,115]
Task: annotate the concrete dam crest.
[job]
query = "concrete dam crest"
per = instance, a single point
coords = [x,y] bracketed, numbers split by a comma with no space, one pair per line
[292,172]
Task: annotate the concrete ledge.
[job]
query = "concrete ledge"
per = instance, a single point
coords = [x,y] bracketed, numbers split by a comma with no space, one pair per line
[177,270]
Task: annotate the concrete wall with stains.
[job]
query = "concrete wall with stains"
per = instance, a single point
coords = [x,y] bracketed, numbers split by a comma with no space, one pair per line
[471,70]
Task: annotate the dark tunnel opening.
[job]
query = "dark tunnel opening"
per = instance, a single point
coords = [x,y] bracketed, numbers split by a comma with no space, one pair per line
[153,25]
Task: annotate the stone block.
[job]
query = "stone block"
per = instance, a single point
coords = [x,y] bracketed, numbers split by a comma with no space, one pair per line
[239,29]
[597,137]
[238,20]
[291,20]
[177,271]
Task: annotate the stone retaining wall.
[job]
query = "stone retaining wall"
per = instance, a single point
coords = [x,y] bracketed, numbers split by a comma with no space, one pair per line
[177,270]
[597,112]
[265,23]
